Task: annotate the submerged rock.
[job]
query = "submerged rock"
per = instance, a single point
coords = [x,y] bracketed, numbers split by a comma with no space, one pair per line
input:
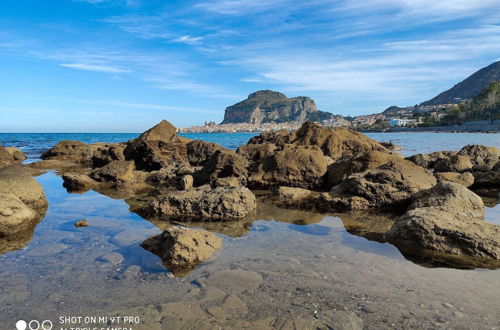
[202,203]
[447,219]
[181,248]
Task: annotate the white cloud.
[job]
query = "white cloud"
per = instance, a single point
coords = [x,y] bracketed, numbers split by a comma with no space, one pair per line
[189,39]
[94,67]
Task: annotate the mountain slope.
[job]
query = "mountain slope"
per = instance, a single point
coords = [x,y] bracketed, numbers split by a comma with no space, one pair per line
[483,106]
[469,87]
[268,106]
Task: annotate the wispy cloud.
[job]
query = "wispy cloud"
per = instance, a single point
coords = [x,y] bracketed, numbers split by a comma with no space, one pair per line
[94,67]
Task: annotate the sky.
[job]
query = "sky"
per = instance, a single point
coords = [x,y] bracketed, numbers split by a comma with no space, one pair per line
[124,65]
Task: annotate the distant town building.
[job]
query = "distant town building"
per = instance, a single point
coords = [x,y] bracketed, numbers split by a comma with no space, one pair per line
[401,122]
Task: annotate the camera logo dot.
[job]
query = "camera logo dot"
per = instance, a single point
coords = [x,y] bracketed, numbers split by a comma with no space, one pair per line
[34,325]
[21,325]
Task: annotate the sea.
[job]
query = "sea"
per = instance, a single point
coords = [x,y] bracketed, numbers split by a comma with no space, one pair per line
[282,268]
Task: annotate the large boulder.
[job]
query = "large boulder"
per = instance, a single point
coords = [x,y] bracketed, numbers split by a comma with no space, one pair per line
[256,152]
[183,248]
[482,157]
[223,164]
[202,203]
[453,163]
[22,200]
[291,166]
[447,218]
[199,152]
[8,156]
[466,179]
[156,147]
[16,154]
[341,169]
[18,181]
[115,171]
[107,153]
[77,181]
[75,151]
[388,185]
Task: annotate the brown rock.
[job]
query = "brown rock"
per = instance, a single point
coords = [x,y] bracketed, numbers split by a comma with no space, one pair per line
[156,147]
[202,203]
[388,185]
[341,169]
[290,193]
[77,181]
[5,157]
[466,179]
[107,153]
[391,146]
[292,166]
[256,152]
[182,247]
[428,160]
[227,182]
[223,164]
[489,179]
[199,152]
[15,216]
[18,181]
[71,151]
[453,163]
[186,182]
[481,156]
[16,154]
[115,171]
[81,223]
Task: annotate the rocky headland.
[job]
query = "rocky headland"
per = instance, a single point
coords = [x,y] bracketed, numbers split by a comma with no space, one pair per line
[427,205]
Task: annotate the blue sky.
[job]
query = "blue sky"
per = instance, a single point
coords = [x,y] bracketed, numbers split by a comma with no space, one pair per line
[123,65]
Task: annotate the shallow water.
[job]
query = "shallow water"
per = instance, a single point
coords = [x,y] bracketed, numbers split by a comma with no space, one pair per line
[284,266]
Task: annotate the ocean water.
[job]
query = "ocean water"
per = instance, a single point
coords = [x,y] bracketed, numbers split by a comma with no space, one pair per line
[278,266]
[33,144]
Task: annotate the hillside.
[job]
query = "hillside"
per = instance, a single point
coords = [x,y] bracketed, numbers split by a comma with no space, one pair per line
[483,106]
[268,106]
[469,87]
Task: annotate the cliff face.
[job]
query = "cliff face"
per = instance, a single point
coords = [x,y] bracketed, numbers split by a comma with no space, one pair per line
[268,106]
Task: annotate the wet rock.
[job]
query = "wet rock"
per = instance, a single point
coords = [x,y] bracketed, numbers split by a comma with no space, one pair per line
[341,169]
[46,250]
[81,223]
[466,179]
[15,216]
[186,182]
[223,164]
[232,307]
[388,185]
[150,318]
[16,154]
[113,258]
[77,181]
[157,146]
[342,320]
[132,236]
[480,155]
[447,218]
[232,280]
[487,179]
[76,151]
[183,248]
[115,171]
[292,166]
[182,315]
[199,152]
[202,203]
[454,163]
[17,181]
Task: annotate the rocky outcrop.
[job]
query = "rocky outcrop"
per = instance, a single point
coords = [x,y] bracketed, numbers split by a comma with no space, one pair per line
[10,156]
[75,151]
[16,154]
[453,163]
[77,181]
[199,152]
[291,166]
[268,106]
[22,200]
[183,248]
[466,179]
[389,185]
[482,157]
[223,164]
[107,153]
[338,171]
[156,147]
[428,160]
[115,171]
[202,203]
[446,219]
